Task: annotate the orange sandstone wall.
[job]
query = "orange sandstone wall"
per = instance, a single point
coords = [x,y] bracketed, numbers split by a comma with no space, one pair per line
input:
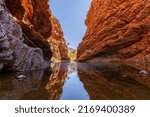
[35,18]
[117,30]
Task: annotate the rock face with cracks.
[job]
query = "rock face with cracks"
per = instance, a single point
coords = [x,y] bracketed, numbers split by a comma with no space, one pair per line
[26,26]
[40,27]
[57,42]
[117,30]
[14,54]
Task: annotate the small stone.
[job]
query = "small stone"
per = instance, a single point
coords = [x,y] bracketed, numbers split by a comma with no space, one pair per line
[143,73]
[21,77]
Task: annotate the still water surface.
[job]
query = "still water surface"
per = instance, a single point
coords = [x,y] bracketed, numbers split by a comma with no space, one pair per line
[78,81]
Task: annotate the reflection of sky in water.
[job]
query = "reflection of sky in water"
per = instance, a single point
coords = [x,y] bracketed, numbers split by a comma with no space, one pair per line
[73,88]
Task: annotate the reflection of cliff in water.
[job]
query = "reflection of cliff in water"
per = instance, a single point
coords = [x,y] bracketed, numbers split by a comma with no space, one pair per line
[114,81]
[12,88]
[79,81]
[37,85]
[52,85]
[57,80]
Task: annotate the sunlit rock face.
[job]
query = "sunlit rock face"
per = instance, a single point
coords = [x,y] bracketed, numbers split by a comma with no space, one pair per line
[34,13]
[115,81]
[41,29]
[14,54]
[57,42]
[117,30]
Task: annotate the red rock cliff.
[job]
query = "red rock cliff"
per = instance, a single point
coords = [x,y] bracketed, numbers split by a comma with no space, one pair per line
[35,19]
[117,30]
[34,13]
[57,42]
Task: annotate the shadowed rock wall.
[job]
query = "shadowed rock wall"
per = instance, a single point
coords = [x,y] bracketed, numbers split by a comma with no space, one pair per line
[26,28]
[14,54]
[40,27]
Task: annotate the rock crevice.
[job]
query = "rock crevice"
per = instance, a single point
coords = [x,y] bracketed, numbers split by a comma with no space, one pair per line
[26,27]
[41,27]
[14,54]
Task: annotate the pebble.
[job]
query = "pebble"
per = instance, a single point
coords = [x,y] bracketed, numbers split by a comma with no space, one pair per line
[143,73]
[21,77]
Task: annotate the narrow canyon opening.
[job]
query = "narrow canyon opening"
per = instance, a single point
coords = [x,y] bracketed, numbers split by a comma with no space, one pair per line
[62,25]
[71,15]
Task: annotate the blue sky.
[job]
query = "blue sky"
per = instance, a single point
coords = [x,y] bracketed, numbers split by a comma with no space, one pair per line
[71,15]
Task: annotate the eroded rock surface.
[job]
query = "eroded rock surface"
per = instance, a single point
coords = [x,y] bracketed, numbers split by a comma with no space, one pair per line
[40,27]
[34,18]
[14,54]
[25,30]
[34,13]
[117,30]
[57,42]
